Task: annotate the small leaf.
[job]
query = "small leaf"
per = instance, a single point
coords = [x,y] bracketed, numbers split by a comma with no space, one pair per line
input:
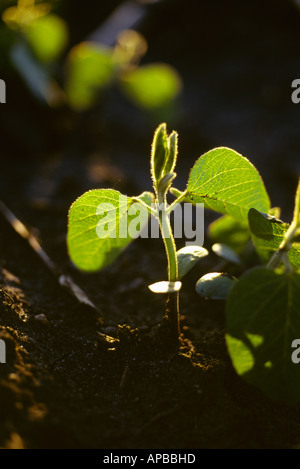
[172,153]
[215,285]
[147,198]
[89,70]
[226,253]
[187,257]
[267,235]
[102,223]
[263,319]
[159,152]
[227,182]
[165,183]
[48,36]
[151,86]
[165,287]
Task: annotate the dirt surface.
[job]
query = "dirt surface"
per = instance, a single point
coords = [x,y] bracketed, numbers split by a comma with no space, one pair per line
[76,377]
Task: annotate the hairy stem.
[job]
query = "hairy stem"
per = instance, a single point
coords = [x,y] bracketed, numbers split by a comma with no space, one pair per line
[172,306]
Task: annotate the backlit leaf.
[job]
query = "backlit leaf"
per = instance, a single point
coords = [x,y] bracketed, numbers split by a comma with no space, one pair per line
[102,222]
[227,182]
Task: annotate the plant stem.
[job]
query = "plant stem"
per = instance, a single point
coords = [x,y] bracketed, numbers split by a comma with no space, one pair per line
[172,306]
[176,202]
[281,255]
[167,235]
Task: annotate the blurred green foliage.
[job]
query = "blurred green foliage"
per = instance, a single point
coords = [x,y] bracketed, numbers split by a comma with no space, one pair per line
[38,45]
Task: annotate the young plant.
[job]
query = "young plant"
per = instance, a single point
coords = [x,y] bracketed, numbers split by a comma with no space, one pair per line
[263,306]
[263,309]
[103,222]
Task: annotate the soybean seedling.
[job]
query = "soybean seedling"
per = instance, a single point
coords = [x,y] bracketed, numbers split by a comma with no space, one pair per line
[262,306]
[102,222]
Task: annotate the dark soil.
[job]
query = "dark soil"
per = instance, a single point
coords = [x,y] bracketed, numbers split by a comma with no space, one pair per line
[80,378]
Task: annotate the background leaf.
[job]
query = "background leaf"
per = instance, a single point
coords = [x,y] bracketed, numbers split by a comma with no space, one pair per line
[229,231]
[151,86]
[263,318]
[227,182]
[90,68]
[48,36]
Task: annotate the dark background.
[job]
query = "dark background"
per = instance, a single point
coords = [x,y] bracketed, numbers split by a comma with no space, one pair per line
[237,61]
[64,387]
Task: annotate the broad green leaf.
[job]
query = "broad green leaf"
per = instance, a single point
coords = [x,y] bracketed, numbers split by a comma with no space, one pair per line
[226,253]
[90,68]
[102,222]
[165,287]
[151,86]
[227,182]
[229,231]
[215,285]
[263,319]
[268,233]
[48,36]
[187,257]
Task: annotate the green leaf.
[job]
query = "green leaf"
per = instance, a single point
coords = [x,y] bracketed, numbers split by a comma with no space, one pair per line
[215,285]
[187,257]
[227,182]
[151,86]
[229,231]
[90,68]
[164,151]
[159,152]
[102,223]
[48,36]
[172,153]
[263,319]
[267,235]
